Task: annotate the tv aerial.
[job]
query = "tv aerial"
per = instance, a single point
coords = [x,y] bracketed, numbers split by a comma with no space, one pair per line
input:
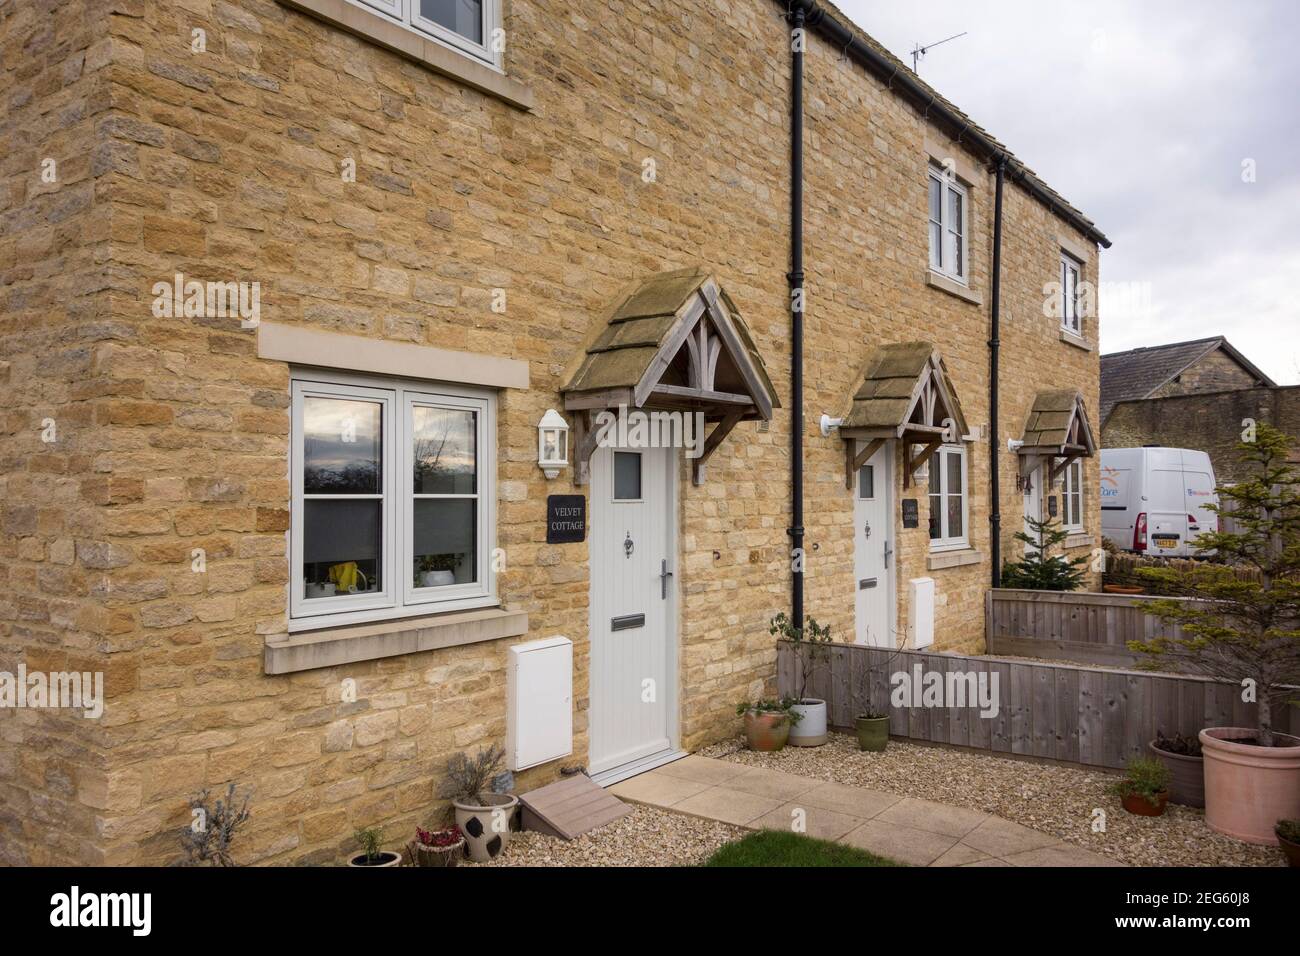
[920,51]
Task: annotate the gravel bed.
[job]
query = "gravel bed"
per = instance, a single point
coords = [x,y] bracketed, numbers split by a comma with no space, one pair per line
[1051,798]
[645,837]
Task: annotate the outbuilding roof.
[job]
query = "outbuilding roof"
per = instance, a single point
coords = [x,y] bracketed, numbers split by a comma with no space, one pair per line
[1138,373]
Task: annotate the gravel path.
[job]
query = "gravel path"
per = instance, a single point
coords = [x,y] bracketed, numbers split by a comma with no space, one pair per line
[645,837]
[1054,799]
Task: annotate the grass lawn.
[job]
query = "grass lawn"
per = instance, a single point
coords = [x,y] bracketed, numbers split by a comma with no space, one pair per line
[781,848]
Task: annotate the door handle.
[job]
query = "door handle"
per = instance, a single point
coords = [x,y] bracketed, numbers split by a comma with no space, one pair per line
[664,575]
[888,552]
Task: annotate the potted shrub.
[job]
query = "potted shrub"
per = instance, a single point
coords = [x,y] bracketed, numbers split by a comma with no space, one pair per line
[484,817]
[872,725]
[1243,629]
[767,723]
[810,646]
[1288,837]
[443,846]
[371,841]
[1145,788]
[1182,755]
[435,570]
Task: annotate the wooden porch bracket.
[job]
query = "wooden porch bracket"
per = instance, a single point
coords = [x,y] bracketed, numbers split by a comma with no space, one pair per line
[1058,470]
[912,464]
[853,462]
[720,431]
[584,444]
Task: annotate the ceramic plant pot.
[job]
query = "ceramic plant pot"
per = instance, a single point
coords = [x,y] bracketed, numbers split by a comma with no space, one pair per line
[439,579]
[810,730]
[1139,805]
[1291,849]
[385,858]
[1187,780]
[873,733]
[486,825]
[1249,788]
[766,730]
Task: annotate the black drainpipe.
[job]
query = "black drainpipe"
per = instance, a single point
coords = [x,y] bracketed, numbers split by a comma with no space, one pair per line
[994,349]
[796,278]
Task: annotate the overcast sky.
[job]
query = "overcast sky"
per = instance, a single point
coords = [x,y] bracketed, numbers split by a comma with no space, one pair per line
[1142,114]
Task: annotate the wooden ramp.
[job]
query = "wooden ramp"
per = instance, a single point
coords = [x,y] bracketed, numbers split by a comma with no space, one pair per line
[570,807]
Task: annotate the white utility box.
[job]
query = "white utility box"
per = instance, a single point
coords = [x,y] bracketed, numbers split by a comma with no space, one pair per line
[920,613]
[539,702]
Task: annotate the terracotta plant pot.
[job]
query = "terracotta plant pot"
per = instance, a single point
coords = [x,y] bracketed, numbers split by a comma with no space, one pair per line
[1139,805]
[1122,589]
[486,825]
[385,858]
[1187,781]
[1249,788]
[873,733]
[766,730]
[810,731]
[1291,849]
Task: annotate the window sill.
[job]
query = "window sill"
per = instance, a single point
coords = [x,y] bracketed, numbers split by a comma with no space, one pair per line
[1078,341]
[309,650]
[441,59]
[941,282]
[937,560]
[1078,539]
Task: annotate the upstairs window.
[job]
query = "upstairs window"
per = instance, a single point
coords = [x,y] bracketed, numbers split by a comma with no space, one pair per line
[470,26]
[1071,276]
[948,498]
[948,205]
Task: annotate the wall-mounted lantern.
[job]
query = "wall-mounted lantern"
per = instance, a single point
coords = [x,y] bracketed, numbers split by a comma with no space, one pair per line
[552,443]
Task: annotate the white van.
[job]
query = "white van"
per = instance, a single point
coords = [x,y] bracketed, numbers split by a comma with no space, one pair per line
[1153,500]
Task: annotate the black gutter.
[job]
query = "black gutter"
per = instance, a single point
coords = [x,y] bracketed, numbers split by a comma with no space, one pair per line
[841,37]
[995,345]
[796,279]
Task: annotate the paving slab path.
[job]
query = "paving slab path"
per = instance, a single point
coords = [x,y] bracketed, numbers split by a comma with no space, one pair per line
[905,829]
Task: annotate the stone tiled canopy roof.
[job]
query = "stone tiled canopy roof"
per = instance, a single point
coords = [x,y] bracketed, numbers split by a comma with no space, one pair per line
[1058,425]
[904,387]
[1137,373]
[676,340]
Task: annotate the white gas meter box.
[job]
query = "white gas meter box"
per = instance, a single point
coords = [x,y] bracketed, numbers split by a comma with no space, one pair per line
[920,613]
[539,702]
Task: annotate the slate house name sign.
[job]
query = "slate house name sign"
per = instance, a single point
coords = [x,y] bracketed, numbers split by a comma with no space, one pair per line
[566,519]
[911,513]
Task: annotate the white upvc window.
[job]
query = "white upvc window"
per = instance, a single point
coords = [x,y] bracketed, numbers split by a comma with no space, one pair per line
[470,26]
[1071,280]
[393,499]
[1072,497]
[948,205]
[948,499]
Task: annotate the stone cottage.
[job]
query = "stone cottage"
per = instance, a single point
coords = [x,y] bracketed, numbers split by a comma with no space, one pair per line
[295,292]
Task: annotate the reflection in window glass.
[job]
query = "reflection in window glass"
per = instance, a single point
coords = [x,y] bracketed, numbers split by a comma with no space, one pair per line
[867,481]
[342,453]
[627,476]
[460,16]
[444,450]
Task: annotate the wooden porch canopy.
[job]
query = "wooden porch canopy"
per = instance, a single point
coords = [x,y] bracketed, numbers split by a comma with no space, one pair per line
[906,396]
[675,342]
[1057,428]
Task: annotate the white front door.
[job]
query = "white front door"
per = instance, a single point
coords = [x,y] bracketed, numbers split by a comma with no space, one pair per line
[873,560]
[633,607]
